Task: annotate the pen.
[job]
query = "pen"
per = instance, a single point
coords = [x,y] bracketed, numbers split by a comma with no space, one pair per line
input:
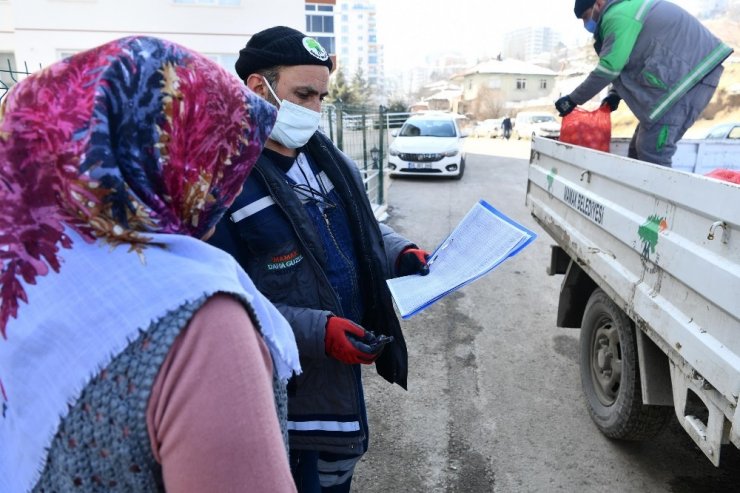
[436,255]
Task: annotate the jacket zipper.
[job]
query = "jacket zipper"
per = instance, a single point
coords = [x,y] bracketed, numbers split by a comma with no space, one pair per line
[363,239]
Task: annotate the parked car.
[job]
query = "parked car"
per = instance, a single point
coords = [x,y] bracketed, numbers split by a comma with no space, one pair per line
[729,130]
[490,128]
[428,144]
[530,123]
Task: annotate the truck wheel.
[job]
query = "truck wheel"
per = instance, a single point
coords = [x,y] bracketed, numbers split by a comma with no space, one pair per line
[610,376]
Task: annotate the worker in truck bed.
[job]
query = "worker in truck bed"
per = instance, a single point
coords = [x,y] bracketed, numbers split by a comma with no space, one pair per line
[657,57]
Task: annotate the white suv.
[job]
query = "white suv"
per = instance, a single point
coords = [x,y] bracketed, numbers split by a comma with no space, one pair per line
[428,144]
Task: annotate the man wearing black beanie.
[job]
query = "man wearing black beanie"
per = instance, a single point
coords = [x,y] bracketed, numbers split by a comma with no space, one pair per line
[306,234]
[657,57]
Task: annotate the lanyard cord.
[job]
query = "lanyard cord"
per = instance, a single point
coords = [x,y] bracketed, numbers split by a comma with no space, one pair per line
[319,197]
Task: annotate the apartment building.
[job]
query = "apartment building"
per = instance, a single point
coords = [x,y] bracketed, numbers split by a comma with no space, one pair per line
[358,47]
[40,32]
[528,43]
[320,23]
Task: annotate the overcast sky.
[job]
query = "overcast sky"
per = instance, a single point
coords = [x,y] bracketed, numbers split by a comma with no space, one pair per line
[410,30]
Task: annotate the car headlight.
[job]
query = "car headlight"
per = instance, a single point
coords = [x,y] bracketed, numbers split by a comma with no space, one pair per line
[450,153]
[393,151]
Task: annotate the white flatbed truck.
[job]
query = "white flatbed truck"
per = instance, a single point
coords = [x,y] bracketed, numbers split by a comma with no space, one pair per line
[651,264]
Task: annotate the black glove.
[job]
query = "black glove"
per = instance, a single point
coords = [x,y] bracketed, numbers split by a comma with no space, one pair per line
[612,100]
[412,261]
[565,105]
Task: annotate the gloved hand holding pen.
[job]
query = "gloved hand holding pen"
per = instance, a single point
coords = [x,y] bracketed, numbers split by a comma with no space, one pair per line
[412,260]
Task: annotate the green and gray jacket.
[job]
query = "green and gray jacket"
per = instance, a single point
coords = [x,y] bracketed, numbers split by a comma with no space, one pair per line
[653,52]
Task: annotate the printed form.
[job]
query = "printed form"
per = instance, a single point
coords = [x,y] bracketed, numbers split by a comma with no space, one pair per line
[484,239]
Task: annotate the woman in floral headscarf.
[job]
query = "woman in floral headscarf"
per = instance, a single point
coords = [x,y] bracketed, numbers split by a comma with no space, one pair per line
[129,359]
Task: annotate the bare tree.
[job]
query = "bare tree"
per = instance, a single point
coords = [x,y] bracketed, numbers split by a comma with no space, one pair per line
[489,103]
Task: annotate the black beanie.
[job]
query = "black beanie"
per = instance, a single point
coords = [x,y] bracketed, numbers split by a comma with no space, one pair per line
[582,6]
[280,45]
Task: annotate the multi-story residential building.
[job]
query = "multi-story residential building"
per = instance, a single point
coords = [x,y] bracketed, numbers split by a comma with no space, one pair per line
[358,48]
[40,32]
[529,43]
[320,23]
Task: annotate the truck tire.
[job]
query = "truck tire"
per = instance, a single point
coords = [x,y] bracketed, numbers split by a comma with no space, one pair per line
[610,374]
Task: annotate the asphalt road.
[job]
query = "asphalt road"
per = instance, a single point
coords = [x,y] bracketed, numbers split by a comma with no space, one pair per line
[494,400]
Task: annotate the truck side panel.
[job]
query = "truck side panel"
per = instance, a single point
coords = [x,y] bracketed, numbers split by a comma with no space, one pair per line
[640,232]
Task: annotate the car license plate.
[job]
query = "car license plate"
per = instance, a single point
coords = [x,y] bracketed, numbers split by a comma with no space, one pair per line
[420,165]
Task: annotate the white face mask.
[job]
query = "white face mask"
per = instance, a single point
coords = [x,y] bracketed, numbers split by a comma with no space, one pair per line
[295,124]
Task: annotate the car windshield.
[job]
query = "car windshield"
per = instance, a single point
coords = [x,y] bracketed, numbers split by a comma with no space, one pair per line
[543,118]
[428,128]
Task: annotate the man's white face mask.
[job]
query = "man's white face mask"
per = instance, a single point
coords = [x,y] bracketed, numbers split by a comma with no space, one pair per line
[294,124]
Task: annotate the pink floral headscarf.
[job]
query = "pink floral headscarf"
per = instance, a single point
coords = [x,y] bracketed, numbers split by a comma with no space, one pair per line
[136,136]
[113,163]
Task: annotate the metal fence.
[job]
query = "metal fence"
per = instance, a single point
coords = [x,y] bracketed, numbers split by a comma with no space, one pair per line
[9,76]
[363,134]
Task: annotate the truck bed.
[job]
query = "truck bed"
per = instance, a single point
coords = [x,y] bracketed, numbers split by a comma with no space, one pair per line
[663,243]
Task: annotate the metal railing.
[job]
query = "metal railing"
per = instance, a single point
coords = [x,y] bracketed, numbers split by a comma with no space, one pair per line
[363,134]
[10,76]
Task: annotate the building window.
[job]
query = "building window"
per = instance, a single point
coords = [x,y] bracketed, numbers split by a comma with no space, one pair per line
[543,83]
[62,54]
[226,60]
[327,42]
[7,65]
[320,25]
[521,84]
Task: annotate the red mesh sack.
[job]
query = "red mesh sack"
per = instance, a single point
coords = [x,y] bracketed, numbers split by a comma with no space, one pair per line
[725,174]
[591,129]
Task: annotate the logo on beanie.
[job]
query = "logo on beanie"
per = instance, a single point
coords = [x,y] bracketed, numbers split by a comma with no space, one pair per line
[314,48]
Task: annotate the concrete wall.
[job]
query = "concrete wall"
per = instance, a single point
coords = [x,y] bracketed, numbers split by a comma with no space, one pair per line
[41,31]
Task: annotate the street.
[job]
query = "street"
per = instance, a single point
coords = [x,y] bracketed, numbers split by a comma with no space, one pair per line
[494,401]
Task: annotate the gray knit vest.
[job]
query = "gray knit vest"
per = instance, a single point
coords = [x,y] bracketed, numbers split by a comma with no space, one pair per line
[102,444]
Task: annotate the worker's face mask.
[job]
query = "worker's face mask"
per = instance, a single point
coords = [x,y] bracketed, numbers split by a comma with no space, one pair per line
[593,20]
[295,124]
[590,25]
